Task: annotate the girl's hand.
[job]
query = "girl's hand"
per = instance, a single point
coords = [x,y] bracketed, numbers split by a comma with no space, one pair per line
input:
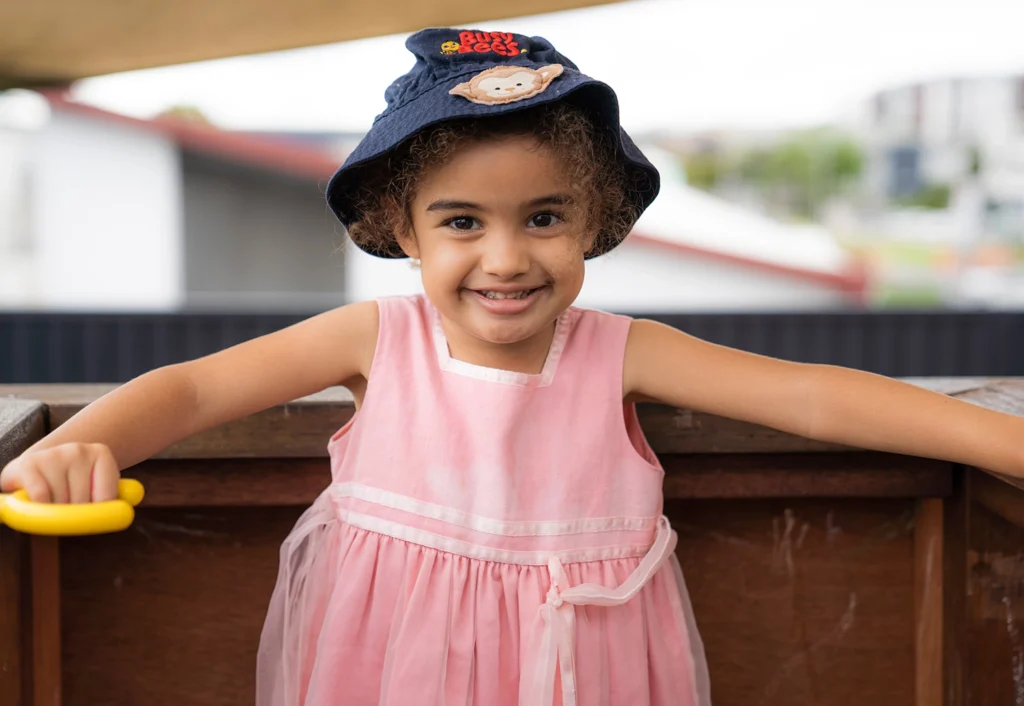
[68,473]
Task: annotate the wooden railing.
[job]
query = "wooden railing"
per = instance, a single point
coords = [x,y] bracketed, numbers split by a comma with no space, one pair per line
[819,574]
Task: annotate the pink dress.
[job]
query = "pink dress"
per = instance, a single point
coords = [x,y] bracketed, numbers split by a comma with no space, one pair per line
[489,538]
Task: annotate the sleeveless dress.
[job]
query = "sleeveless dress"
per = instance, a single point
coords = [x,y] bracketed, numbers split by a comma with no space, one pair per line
[489,538]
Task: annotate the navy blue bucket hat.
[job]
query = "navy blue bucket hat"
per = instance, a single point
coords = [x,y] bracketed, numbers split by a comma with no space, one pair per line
[462,74]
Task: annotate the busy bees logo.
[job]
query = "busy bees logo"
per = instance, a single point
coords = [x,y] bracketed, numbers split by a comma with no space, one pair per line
[500,43]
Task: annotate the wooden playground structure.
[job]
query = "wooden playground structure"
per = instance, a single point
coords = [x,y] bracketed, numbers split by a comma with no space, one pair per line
[819,575]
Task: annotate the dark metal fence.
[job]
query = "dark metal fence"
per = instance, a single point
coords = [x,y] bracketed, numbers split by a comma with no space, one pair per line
[82,348]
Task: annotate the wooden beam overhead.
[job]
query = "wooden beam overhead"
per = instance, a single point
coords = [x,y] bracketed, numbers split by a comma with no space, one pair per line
[47,42]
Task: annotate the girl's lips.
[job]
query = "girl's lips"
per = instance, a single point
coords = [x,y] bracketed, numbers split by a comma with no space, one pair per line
[507,307]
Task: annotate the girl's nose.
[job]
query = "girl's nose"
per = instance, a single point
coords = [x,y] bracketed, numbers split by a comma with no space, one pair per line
[504,256]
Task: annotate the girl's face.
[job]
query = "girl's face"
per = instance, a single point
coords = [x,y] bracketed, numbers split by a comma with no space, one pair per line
[500,235]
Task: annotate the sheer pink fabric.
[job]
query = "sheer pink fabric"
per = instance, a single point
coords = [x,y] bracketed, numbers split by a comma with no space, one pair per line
[473,561]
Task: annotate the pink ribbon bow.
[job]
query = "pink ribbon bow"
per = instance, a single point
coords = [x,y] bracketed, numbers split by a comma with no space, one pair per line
[554,639]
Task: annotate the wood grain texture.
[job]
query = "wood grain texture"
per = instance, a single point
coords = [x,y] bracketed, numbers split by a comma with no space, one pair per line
[803,602]
[998,497]
[804,475]
[64,40]
[14,631]
[928,603]
[955,522]
[170,611]
[800,603]
[1005,396]
[297,482]
[290,482]
[22,423]
[301,428]
[994,655]
[47,680]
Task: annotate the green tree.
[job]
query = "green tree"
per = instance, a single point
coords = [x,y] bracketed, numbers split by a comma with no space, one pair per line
[704,169]
[804,170]
[932,196]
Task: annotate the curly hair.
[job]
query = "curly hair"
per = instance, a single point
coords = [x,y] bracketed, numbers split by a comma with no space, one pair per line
[586,153]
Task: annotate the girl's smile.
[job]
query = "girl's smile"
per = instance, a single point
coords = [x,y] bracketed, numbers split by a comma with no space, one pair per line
[507,300]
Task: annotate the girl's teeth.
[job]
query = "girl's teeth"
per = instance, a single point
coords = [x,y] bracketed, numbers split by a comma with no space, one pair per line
[502,295]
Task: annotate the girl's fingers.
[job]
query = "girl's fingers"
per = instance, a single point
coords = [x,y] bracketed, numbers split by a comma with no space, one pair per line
[60,490]
[79,482]
[70,473]
[34,483]
[10,477]
[104,476]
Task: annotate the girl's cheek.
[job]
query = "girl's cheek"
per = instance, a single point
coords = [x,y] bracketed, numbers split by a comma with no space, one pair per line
[569,263]
[450,261]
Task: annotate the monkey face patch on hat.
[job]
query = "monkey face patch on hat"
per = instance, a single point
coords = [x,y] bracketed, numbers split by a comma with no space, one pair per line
[507,84]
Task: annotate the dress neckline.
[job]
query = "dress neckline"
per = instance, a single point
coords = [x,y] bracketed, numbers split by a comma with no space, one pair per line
[505,377]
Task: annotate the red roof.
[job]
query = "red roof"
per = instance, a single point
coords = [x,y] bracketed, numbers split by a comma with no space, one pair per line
[854,281]
[275,155]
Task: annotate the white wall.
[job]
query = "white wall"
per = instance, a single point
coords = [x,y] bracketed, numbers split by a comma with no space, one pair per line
[642,278]
[940,112]
[15,235]
[975,109]
[993,114]
[369,277]
[106,217]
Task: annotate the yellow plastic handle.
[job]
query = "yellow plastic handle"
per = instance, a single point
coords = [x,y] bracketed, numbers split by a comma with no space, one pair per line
[62,520]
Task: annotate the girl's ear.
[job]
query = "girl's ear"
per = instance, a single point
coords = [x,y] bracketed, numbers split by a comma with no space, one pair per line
[407,242]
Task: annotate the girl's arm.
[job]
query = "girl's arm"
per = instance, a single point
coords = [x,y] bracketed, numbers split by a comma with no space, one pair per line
[820,402]
[155,410]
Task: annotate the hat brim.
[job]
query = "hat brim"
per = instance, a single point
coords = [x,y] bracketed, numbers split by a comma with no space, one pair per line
[392,129]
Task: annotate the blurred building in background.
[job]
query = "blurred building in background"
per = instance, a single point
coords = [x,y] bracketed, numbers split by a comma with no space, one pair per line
[914,198]
[936,136]
[945,176]
[101,212]
[925,182]
[173,214]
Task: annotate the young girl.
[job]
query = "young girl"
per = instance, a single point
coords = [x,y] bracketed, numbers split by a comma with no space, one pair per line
[493,532]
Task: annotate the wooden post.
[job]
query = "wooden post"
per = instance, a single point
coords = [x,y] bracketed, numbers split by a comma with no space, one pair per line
[13,609]
[955,519]
[46,668]
[22,423]
[928,605]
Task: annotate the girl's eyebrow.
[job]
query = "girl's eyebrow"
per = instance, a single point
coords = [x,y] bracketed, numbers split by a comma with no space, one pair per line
[453,206]
[550,200]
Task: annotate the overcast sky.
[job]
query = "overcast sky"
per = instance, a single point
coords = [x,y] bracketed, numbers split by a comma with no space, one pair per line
[676,64]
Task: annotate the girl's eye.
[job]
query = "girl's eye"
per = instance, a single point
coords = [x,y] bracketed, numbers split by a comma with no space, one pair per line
[461,223]
[544,220]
